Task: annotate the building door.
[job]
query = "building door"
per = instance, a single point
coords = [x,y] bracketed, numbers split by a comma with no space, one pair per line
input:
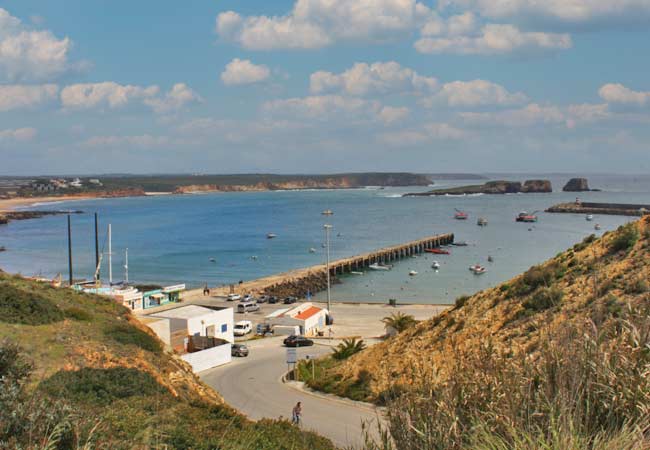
[209,331]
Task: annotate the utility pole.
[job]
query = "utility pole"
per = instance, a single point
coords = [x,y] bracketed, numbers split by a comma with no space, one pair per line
[97,246]
[126,267]
[69,250]
[327,228]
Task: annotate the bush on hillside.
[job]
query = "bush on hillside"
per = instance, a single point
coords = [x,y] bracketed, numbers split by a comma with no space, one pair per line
[27,308]
[544,298]
[460,301]
[101,386]
[625,238]
[78,314]
[125,333]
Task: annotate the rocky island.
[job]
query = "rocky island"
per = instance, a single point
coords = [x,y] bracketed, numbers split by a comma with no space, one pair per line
[491,187]
[578,185]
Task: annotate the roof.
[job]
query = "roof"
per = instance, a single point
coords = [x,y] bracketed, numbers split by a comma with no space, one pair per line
[185,312]
[307,313]
[277,313]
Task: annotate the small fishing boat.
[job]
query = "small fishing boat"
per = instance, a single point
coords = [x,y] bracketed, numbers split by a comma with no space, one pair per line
[327,212]
[481,222]
[460,244]
[460,215]
[490,259]
[477,269]
[589,217]
[212,260]
[597,227]
[435,265]
[312,250]
[437,251]
[526,217]
[412,273]
[254,258]
[379,267]
[271,236]
[354,272]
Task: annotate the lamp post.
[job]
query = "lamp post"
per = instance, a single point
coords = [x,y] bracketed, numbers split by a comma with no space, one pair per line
[327,228]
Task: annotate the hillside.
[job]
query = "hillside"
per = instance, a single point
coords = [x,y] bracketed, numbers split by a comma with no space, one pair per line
[78,369]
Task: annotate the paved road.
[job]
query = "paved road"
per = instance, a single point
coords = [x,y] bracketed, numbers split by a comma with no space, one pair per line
[252,385]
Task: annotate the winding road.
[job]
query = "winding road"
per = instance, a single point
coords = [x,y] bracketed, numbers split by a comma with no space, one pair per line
[253,386]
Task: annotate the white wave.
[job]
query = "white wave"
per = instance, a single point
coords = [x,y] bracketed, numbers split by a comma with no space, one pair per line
[465,195]
[392,196]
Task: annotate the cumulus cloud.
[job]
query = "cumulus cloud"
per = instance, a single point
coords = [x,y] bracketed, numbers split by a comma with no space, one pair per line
[17,135]
[17,96]
[106,94]
[391,114]
[477,93]
[27,54]
[617,93]
[319,23]
[560,12]
[322,107]
[494,39]
[176,99]
[377,78]
[240,72]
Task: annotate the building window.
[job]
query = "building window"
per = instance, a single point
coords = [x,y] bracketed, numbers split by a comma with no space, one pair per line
[224,328]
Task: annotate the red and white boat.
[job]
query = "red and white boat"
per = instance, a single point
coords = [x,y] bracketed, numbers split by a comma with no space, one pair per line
[477,269]
[437,251]
[525,217]
[461,215]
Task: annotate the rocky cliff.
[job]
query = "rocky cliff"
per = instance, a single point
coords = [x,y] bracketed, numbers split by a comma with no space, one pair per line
[576,185]
[491,187]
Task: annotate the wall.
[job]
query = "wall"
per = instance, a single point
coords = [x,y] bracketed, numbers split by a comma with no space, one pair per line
[206,359]
[162,329]
[215,318]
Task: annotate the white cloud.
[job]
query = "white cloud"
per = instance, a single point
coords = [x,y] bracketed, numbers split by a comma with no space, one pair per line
[566,12]
[176,99]
[426,133]
[322,107]
[18,96]
[617,93]
[101,95]
[240,72]
[586,113]
[144,141]
[377,78]
[391,114]
[494,39]
[477,93]
[319,23]
[532,114]
[29,54]
[17,135]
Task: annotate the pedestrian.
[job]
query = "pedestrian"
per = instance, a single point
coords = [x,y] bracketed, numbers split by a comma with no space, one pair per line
[329,330]
[296,413]
[206,289]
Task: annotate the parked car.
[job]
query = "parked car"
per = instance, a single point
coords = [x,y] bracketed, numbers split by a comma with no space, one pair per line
[247,307]
[238,350]
[298,341]
[247,298]
[242,328]
[263,299]
[273,299]
[233,297]
[290,300]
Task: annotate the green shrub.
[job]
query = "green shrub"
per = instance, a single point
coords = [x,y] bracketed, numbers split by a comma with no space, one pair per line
[538,276]
[625,238]
[77,313]
[26,307]
[126,333]
[544,298]
[101,386]
[637,286]
[504,287]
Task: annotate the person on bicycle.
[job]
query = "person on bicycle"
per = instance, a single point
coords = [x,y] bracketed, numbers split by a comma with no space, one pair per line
[296,413]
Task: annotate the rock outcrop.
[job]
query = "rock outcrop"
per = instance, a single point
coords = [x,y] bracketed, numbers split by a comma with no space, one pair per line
[491,187]
[577,185]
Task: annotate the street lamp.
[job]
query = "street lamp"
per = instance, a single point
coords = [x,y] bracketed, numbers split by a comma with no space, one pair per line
[327,228]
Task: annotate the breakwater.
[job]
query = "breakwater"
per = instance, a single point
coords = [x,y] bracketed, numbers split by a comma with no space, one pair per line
[616,209]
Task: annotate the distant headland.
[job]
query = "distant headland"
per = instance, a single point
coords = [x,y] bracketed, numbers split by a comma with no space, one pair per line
[491,187]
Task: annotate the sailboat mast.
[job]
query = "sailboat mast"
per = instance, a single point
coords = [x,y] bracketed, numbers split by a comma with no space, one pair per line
[126,267]
[110,257]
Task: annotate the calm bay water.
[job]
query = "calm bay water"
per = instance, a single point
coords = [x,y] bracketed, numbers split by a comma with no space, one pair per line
[172,238]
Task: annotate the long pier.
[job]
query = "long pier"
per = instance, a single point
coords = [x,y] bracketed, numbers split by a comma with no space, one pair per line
[389,254]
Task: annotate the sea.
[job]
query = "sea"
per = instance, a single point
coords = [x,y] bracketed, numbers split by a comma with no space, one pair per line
[221,238]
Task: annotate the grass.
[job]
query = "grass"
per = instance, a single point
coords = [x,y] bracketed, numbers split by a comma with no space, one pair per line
[26,307]
[625,238]
[127,334]
[324,380]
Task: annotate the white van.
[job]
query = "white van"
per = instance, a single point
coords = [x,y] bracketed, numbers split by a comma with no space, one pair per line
[243,327]
[247,307]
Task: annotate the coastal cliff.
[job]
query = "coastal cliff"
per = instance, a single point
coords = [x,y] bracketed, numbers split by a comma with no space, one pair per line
[492,188]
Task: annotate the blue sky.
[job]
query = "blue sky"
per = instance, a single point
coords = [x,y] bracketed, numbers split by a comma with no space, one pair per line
[324,86]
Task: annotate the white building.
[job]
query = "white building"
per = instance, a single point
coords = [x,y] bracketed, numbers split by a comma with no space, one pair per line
[308,318]
[202,335]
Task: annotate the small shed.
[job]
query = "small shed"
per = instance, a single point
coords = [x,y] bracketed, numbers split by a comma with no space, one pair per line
[309,318]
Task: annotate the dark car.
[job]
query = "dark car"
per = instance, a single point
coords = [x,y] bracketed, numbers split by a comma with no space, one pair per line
[290,300]
[273,299]
[238,350]
[298,341]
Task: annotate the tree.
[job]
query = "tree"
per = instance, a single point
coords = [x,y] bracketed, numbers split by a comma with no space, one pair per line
[399,322]
[348,348]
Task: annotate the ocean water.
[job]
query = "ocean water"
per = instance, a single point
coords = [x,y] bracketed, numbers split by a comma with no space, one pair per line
[171,239]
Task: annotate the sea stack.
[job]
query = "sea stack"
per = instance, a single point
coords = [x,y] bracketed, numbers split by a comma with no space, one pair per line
[576,185]
[537,186]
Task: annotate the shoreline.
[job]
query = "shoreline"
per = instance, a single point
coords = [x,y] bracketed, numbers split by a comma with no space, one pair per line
[12,204]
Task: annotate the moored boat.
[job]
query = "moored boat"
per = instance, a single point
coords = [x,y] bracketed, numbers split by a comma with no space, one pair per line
[597,227]
[461,215]
[589,217]
[437,251]
[271,236]
[481,222]
[477,269]
[412,273]
[379,267]
[327,212]
[526,217]
[435,265]
[460,244]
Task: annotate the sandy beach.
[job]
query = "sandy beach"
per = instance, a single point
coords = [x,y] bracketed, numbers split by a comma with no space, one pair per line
[11,204]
